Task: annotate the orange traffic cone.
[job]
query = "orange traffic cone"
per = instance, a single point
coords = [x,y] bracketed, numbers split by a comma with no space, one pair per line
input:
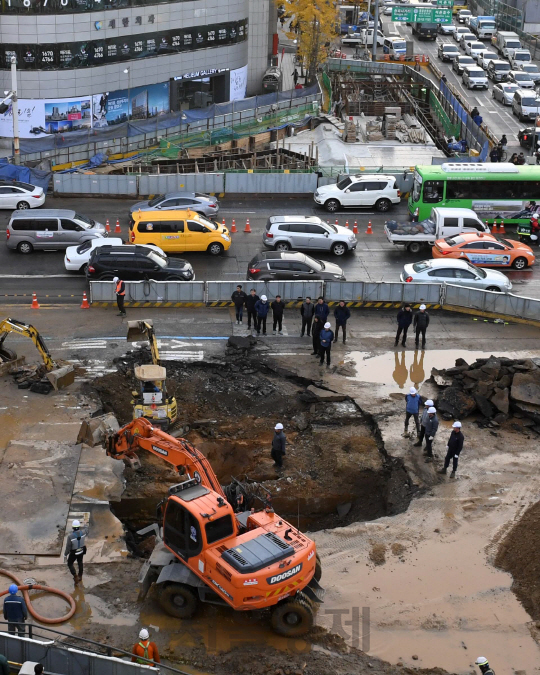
[117,229]
[501,228]
[233,227]
[35,303]
[369,228]
[494,228]
[223,222]
[107,226]
[247,228]
[347,224]
[355,228]
[85,304]
[337,222]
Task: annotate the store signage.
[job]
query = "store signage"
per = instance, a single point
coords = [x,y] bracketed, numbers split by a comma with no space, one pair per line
[201,73]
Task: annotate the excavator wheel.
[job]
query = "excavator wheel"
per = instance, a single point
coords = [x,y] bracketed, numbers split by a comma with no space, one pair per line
[178,600]
[7,355]
[318,569]
[293,617]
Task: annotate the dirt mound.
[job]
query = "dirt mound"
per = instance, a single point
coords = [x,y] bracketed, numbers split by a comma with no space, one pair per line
[518,555]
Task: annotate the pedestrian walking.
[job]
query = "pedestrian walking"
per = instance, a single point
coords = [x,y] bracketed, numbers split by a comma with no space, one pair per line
[282,20]
[307,311]
[513,159]
[483,664]
[251,301]
[520,159]
[278,306]
[120,290]
[326,338]
[413,401]
[262,307]
[421,322]
[316,335]
[76,550]
[423,420]
[295,76]
[342,314]
[503,141]
[15,611]
[144,649]
[279,443]
[404,320]
[322,310]
[4,666]
[430,429]
[494,155]
[454,448]
[239,299]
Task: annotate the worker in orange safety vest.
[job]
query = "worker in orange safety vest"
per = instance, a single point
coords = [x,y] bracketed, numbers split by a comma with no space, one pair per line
[145,649]
[120,295]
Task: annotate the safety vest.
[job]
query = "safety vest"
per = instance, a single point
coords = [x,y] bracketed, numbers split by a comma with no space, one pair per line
[119,290]
[78,540]
[145,647]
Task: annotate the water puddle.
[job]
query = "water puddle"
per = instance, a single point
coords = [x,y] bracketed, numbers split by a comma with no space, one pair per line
[406,368]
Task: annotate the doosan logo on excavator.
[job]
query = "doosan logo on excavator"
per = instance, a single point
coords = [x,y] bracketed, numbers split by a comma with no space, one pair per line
[284,575]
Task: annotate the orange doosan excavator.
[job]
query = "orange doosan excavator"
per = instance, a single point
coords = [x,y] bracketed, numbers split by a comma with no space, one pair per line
[214,546]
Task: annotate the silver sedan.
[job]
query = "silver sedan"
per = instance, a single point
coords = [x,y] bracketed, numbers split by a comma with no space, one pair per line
[180,201]
[504,92]
[457,272]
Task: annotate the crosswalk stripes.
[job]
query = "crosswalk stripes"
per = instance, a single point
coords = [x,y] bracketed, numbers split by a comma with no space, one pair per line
[182,355]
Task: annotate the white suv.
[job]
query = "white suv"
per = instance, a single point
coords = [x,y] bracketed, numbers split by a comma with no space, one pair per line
[376,190]
[474,78]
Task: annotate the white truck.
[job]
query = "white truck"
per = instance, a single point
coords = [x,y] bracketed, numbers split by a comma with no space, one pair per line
[443,222]
[506,42]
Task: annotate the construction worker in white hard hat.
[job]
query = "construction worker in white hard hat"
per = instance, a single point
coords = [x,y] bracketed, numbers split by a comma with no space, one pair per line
[279,443]
[413,401]
[420,324]
[432,425]
[76,549]
[483,664]
[454,448]
[144,650]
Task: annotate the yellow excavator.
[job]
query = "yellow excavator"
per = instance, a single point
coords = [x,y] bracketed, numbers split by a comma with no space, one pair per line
[59,375]
[151,401]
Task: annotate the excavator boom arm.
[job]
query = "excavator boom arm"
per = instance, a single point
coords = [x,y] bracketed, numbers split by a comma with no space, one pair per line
[8,326]
[144,330]
[184,457]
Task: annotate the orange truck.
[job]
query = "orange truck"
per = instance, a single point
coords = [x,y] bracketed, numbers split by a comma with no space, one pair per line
[215,545]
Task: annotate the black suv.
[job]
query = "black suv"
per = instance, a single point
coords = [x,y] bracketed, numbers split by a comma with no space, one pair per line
[136,263]
[291,266]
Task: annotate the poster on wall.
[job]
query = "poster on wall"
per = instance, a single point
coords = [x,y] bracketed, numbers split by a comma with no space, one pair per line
[238,83]
[111,108]
[42,117]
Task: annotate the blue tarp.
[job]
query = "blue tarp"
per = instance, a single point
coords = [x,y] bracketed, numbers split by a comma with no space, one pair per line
[24,174]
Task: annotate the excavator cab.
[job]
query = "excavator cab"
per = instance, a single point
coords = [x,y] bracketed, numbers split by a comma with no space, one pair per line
[152,401]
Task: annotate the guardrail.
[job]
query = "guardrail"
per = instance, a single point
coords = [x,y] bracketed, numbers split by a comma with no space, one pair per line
[355,293]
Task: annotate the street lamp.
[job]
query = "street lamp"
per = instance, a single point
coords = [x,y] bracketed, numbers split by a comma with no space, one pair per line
[11,96]
[127,71]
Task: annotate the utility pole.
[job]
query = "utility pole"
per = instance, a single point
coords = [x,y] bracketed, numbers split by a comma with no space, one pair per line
[15,112]
[375,30]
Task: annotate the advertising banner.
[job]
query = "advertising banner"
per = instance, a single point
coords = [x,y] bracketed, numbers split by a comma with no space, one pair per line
[41,117]
[238,83]
[109,109]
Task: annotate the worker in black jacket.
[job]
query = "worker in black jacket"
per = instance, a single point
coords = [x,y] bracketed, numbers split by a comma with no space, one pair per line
[342,314]
[454,448]
[421,322]
[279,443]
[404,320]
[239,299]
[316,329]
[250,302]
[278,306]
[307,311]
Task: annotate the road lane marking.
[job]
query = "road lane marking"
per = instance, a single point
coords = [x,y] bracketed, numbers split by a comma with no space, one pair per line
[39,276]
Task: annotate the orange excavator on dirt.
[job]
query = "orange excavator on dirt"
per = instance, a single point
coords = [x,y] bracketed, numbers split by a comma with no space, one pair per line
[213,547]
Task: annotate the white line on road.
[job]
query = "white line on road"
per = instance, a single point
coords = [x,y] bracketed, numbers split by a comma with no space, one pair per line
[39,276]
[181,356]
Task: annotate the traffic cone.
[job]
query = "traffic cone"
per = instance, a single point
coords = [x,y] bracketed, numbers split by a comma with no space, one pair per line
[494,228]
[369,228]
[117,229]
[107,226]
[347,224]
[35,303]
[355,228]
[233,227]
[247,228]
[501,228]
[223,222]
[85,304]
[337,222]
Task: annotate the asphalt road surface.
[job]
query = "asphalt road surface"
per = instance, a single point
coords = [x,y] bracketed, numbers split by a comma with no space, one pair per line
[375,259]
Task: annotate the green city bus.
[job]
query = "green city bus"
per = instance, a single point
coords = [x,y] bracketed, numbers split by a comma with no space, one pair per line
[495,191]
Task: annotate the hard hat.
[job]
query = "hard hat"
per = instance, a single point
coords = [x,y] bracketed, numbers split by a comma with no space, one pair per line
[144,634]
[13,589]
[263,298]
[457,425]
[535,216]
[328,325]
[429,403]
[422,306]
[278,426]
[116,279]
[533,237]
[432,410]
[75,523]
[412,390]
[481,661]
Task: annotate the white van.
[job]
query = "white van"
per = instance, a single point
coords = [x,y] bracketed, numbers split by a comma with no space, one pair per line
[526,104]
[509,47]
[518,57]
[395,47]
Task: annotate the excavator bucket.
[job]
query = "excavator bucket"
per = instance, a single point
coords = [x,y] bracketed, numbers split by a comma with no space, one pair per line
[61,377]
[137,330]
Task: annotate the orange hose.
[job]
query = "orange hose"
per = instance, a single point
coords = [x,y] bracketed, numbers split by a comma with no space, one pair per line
[38,587]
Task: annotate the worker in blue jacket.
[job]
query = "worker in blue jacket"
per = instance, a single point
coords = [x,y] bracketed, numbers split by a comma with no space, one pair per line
[412,407]
[322,310]
[15,611]
[342,314]
[326,337]
[261,307]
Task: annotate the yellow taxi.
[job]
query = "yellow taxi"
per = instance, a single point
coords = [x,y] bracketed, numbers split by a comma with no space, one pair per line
[178,231]
[485,250]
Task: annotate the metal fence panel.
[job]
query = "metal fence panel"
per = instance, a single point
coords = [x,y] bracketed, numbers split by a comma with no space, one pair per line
[383,292]
[191,182]
[271,183]
[75,183]
[506,304]
[150,291]
[465,297]
[221,291]
[430,293]
[350,291]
